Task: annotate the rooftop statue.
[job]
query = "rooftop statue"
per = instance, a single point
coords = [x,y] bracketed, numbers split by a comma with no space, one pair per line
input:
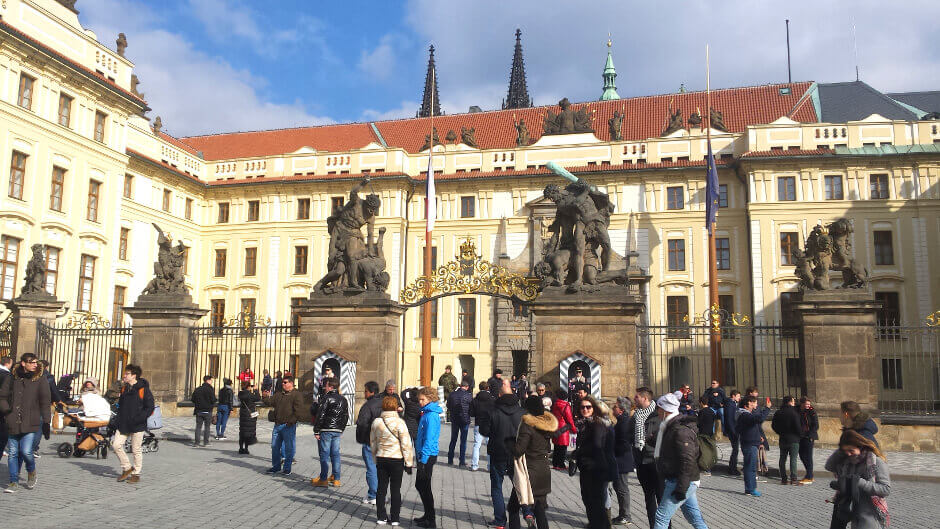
[121,44]
[675,121]
[427,140]
[567,121]
[829,248]
[614,124]
[522,133]
[467,136]
[168,275]
[35,284]
[717,120]
[695,119]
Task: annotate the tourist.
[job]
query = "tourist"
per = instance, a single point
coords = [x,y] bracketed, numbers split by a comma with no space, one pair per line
[561,409]
[135,406]
[371,410]
[540,390]
[247,417]
[728,420]
[531,488]
[706,418]
[391,445]
[623,451]
[278,379]
[644,427]
[809,434]
[786,423]
[480,408]
[390,391]
[748,428]
[495,383]
[56,397]
[715,397]
[764,445]
[328,429]
[266,381]
[862,482]
[411,411]
[247,375]
[501,431]
[327,374]
[6,363]
[465,375]
[94,407]
[686,406]
[26,401]
[458,406]
[203,399]
[448,382]
[522,388]
[853,418]
[596,460]
[676,455]
[288,410]
[224,409]
[426,447]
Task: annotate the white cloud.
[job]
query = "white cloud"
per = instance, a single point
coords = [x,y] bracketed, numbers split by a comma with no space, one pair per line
[380,63]
[406,109]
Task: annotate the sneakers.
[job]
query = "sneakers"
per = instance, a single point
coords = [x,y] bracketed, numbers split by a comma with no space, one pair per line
[135,478]
[754,493]
[620,520]
[368,501]
[381,522]
[806,481]
[31,479]
[317,482]
[530,521]
[36,455]
[11,488]
[734,472]
[223,438]
[784,481]
[761,480]
[286,472]
[272,471]
[336,483]
[395,524]
[125,474]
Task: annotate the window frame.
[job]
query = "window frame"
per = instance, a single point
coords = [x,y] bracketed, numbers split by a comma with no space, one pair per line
[167,200]
[786,185]
[17,175]
[875,182]
[68,100]
[253,211]
[301,257]
[829,190]
[675,198]
[128,191]
[251,261]
[889,315]
[466,318]
[188,209]
[225,209]
[221,256]
[675,260]
[86,279]
[723,254]
[117,306]
[722,196]
[336,204]
[677,316]
[434,311]
[883,258]
[123,239]
[468,207]
[25,94]
[94,193]
[52,274]
[217,312]
[786,250]
[7,265]
[100,126]
[788,316]
[303,209]
[57,188]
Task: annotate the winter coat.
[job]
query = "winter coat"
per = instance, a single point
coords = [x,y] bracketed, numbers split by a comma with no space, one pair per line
[449,382]
[25,400]
[370,410]
[715,397]
[748,426]
[623,445]
[412,415]
[388,437]
[247,425]
[203,399]
[54,392]
[267,383]
[595,453]
[502,428]
[873,479]
[333,413]
[135,405]
[535,443]
[458,404]
[561,409]
[429,432]
[650,431]
[809,424]
[226,397]
[865,425]
[786,423]
[678,456]
[705,421]
[729,418]
[288,407]
[481,406]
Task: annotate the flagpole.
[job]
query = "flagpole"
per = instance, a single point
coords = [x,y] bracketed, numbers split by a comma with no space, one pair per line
[715,333]
[430,203]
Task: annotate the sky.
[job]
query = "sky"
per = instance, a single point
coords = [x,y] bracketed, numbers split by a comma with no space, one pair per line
[209,66]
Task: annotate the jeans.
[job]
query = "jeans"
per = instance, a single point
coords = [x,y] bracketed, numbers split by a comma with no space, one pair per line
[454,429]
[735,446]
[652,486]
[117,445]
[36,441]
[669,505]
[328,446]
[538,510]
[788,450]
[623,496]
[498,470]
[20,450]
[222,420]
[389,477]
[423,484]
[283,445]
[806,456]
[372,479]
[478,440]
[203,421]
[749,467]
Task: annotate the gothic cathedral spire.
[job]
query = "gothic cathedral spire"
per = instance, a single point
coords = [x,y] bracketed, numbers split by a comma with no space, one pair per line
[610,76]
[518,96]
[430,87]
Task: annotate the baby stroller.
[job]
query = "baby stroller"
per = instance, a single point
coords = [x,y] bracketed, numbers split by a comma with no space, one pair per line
[150,442]
[90,437]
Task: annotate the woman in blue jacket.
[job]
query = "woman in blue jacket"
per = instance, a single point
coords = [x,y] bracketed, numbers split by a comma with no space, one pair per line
[426,449]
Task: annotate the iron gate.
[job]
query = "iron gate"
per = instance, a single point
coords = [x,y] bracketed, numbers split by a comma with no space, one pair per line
[85,346]
[909,360]
[7,341]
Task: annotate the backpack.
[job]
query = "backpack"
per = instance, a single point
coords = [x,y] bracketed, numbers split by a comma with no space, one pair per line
[708,452]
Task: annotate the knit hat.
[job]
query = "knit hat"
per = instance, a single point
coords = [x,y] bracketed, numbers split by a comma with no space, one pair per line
[534,406]
[669,403]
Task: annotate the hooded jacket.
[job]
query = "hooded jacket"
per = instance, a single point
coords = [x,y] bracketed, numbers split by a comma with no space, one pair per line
[412,414]
[786,423]
[865,425]
[25,400]
[678,456]
[135,405]
[595,452]
[535,443]
[504,423]
[429,432]
[561,409]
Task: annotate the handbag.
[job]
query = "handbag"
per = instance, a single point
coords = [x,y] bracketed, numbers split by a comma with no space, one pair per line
[215,419]
[254,415]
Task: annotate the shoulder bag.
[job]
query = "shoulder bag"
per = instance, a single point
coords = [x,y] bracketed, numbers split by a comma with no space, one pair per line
[400,445]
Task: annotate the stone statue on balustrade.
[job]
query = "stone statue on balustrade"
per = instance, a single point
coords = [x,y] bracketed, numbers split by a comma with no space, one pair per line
[354,263]
[828,248]
[567,121]
[168,277]
[35,284]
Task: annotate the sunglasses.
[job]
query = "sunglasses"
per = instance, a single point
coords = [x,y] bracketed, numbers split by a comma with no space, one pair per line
[588,407]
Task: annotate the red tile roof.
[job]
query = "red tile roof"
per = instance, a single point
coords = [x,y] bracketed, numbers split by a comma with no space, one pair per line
[335,138]
[178,144]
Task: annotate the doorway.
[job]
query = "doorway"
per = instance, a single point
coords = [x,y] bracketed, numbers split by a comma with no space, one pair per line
[520,362]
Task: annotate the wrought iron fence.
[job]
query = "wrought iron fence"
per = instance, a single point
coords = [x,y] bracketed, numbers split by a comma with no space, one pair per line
[7,342]
[909,363]
[85,346]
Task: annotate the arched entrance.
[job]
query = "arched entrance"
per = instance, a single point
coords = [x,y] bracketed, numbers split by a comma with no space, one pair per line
[590,368]
[346,371]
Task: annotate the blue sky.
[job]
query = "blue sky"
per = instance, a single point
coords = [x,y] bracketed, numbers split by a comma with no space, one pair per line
[223,65]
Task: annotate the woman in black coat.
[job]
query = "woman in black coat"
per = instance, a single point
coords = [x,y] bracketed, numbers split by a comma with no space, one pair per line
[247,417]
[412,413]
[596,460]
[534,441]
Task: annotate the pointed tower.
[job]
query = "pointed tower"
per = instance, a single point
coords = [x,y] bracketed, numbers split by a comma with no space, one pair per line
[430,87]
[610,77]
[518,96]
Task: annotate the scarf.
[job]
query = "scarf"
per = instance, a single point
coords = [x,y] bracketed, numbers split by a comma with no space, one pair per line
[639,427]
[659,434]
[881,506]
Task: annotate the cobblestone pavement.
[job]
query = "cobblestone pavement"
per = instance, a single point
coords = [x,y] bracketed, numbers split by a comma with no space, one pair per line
[186,487]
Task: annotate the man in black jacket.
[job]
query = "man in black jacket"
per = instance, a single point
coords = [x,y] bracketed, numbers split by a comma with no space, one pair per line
[502,428]
[729,429]
[458,406]
[677,455]
[331,421]
[135,405]
[643,429]
[6,364]
[370,411]
[786,423]
[480,408]
[203,400]
[623,451]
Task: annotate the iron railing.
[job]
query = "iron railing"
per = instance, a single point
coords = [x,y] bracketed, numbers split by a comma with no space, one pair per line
[7,341]
[908,359]
[85,351]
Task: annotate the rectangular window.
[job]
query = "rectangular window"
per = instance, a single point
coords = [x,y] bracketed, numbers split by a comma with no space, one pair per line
[677,314]
[722,195]
[223,212]
[220,255]
[213,365]
[336,204]
[86,280]
[467,207]
[17,175]
[794,368]
[786,188]
[675,198]
[251,261]
[295,316]
[676,254]
[167,196]
[58,186]
[303,208]
[25,96]
[52,269]
[254,210]
[833,184]
[726,304]
[94,188]
[122,244]
[9,256]
[879,186]
[246,317]
[890,312]
[217,312]
[884,248]
[100,118]
[729,372]
[789,246]
[467,318]
[117,310]
[891,373]
[81,346]
[128,186]
[433,305]
[520,311]
[65,110]
[788,316]
[300,260]
[723,253]
[188,211]
[244,362]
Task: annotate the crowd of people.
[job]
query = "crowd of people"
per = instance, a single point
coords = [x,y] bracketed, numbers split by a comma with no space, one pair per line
[528,431]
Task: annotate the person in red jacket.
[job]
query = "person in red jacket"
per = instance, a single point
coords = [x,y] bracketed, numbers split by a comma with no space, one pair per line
[561,409]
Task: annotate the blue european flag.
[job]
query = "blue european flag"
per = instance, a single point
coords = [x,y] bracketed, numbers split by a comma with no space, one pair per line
[711,190]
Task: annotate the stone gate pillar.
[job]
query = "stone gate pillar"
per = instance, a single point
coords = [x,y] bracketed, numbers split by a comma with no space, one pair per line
[160,345]
[28,310]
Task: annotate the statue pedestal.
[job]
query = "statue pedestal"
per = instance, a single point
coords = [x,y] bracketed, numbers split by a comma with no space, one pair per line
[29,310]
[160,344]
[839,347]
[600,325]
